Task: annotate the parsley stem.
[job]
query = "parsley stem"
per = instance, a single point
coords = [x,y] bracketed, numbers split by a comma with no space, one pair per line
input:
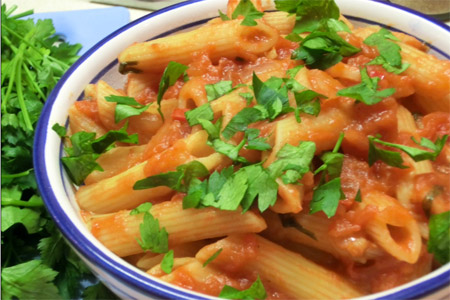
[23,14]
[10,84]
[17,175]
[25,40]
[19,87]
[14,202]
[338,143]
[10,10]
[34,84]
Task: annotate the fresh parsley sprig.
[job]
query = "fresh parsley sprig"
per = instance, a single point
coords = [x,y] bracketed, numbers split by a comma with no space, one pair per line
[394,158]
[86,149]
[37,263]
[327,194]
[390,57]
[366,91]
[439,241]
[171,73]
[126,107]
[246,9]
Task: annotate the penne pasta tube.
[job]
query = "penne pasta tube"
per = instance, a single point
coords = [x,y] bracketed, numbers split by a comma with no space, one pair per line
[393,228]
[223,39]
[116,161]
[290,198]
[119,231]
[313,231]
[116,193]
[106,109]
[287,271]
[81,122]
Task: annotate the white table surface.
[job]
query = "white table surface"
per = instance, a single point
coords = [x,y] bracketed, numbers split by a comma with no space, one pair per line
[40,6]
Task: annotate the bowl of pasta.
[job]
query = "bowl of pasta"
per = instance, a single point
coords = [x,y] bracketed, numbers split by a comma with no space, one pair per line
[257,150]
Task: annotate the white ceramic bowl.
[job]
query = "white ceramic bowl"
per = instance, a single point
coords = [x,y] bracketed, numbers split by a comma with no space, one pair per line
[125,280]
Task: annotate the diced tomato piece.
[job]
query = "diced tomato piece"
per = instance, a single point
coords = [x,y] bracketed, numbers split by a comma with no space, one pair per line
[178,114]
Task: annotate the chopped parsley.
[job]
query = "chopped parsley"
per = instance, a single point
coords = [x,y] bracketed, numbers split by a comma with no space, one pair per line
[178,180]
[170,75]
[293,162]
[366,91]
[153,237]
[327,194]
[167,262]
[217,90]
[126,107]
[310,14]
[390,57]
[439,241]
[86,149]
[255,291]
[323,49]
[204,112]
[246,9]
[394,158]
[213,257]
[145,207]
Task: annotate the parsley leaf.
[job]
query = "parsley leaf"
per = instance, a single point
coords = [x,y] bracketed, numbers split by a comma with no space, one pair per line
[358,197]
[388,50]
[28,217]
[321,50]
[292,72]
[144,207]
[246,9]
[204,112]
[223,16]
[255,291]
[126,107]
[233,191]
[167,262]
[152,237]
[326,197]
[217,90]
[254,142]
[29,280]
[293,162]
[310,13]
[308,102]
[178,180]
[366,91]
[213,257]
[242,119]
[60,130]
[439,242]
[337,25]
[229,150]
[261,185]
[272,95]
[379,60]
[85,150]
[394,159]
[170,75]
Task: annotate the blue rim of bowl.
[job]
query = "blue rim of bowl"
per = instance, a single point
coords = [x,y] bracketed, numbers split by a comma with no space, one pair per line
[120,272]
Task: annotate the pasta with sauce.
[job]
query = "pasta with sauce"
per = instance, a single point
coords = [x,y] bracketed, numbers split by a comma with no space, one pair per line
[264,160]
